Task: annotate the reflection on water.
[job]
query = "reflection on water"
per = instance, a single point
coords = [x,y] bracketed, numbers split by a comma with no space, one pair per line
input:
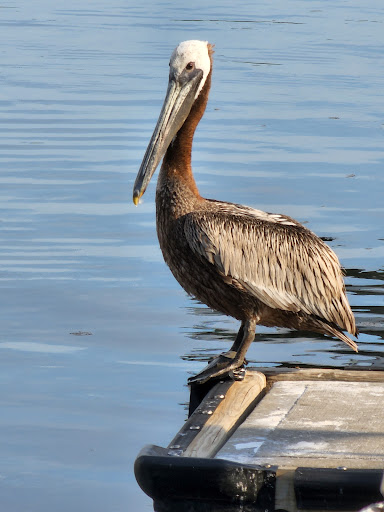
[294,125]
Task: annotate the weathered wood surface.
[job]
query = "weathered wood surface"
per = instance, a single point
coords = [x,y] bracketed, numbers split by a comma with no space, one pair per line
[217,416]
[326,424]
[278,374]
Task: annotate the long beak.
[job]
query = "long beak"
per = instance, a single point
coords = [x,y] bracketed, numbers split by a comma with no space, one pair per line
[177,105]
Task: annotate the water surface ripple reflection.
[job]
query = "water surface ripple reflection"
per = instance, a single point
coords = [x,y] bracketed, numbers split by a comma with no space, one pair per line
[97,338]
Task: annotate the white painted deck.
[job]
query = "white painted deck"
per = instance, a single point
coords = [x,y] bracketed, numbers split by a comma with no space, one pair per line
[327,424]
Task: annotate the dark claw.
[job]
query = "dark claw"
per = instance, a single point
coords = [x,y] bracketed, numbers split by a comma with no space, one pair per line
[238,374]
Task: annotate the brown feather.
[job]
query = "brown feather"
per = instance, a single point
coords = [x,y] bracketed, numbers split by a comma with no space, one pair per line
[243,262]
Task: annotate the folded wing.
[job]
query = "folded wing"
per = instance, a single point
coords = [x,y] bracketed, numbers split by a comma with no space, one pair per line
[274,258]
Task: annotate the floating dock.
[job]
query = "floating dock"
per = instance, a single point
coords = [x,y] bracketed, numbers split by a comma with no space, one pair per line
[292,440]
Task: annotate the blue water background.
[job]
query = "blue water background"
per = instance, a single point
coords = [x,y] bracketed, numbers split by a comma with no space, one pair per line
[97,339]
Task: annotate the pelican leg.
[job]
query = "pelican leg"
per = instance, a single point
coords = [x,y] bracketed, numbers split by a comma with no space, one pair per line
[230,361]
[239,338]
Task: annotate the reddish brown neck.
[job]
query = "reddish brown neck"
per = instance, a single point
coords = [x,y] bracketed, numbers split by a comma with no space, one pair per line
[177,159]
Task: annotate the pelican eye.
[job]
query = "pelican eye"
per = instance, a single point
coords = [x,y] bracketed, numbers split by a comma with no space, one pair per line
[190,66]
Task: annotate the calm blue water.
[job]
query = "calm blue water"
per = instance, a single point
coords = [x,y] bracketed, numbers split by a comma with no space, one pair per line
[97,339]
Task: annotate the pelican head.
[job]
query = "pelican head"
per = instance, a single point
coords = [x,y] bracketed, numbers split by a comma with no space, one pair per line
[189,67]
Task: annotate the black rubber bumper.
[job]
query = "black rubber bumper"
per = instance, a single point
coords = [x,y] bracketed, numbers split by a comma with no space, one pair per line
[189,483]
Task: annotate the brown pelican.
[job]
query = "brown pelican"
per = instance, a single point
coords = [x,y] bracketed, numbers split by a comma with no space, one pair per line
[258,267]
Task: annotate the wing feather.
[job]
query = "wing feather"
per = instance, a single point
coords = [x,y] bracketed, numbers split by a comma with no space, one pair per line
[274,258]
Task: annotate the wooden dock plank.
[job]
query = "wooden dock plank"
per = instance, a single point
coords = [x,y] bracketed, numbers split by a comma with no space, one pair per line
[217,417]
[335,374]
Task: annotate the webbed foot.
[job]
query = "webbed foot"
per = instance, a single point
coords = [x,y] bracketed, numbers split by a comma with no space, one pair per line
[226,364]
